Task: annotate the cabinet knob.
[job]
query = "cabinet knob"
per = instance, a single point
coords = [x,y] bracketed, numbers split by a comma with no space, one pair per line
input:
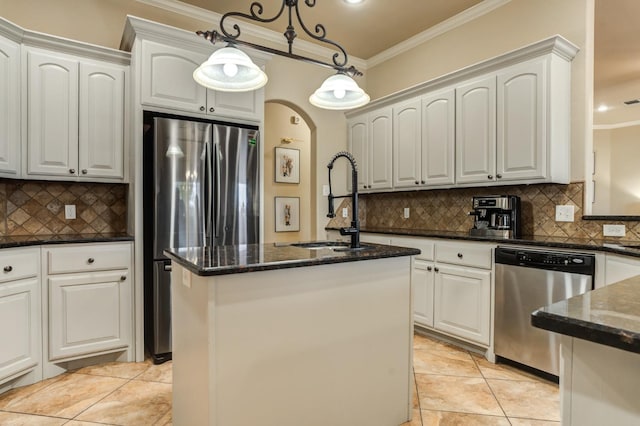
[91,260]
[417,183]
[436,269]
[84,171]
[429,268]
[202,108]
[490,176]
[422,182]
[8,268]
[499,176]
[123,278]
[212,109]
[72,171]
[460,255]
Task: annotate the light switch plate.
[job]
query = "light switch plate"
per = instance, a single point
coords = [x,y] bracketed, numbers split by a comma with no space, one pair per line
[406,212]
[613,230]
[325,190]
[345,212]
[564,213]
[70,211]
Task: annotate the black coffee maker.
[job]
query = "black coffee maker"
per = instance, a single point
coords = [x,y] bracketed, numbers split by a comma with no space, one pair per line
[496,216]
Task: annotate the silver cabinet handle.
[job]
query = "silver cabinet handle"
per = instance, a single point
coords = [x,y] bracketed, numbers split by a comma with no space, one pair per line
[72,171]
[202,108]
[212,109]
[490,176]
[84,171]
[460,255]
[8,268]
[91,260]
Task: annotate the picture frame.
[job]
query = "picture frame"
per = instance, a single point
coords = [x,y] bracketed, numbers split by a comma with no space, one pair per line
[287,214]
[287,165]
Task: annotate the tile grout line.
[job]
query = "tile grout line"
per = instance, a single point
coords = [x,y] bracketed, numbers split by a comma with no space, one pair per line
[415,385]
[491,390]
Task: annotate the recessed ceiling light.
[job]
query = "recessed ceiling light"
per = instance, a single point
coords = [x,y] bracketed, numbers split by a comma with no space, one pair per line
[353,1]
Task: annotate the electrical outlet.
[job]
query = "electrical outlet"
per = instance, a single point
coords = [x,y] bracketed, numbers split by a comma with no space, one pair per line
[406,212]
[325,190]
[345,212]
[564,213]
[69,211]
[613,230]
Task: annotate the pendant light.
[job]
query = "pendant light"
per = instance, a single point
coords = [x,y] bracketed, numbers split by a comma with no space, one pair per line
[229,69]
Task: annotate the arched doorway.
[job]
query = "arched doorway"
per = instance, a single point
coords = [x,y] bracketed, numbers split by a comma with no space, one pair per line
[289,174]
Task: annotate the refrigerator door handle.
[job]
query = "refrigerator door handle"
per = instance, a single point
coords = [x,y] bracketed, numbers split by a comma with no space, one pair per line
[216,198]
[209,197]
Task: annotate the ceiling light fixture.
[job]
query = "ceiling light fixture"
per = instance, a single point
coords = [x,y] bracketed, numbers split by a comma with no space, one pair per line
[229,69]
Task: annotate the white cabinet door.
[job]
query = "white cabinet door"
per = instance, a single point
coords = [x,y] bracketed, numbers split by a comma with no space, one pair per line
[167,78]
[462,305]
[248,105]
[89,313]
[407,144]
[380,149]
[101,120]
[9,108]
[476,131]
[357,136]
[438,138]
[423,289]
[618,268]
[52,132]
[521,139]
[19,327]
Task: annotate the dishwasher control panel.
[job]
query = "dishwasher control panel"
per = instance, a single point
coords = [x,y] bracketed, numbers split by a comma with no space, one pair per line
[579,263]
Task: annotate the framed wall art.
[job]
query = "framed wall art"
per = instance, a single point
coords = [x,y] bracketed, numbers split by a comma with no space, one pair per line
[287,165]
[287,214]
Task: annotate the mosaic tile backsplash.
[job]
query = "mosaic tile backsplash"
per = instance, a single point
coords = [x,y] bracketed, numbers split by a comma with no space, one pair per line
[448,210]
[37,207]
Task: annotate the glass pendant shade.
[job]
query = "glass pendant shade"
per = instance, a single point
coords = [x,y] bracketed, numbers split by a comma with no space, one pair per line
[174,151]
[230,70]
[339,92]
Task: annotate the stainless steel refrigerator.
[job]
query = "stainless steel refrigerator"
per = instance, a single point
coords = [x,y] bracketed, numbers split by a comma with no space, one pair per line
[201,188]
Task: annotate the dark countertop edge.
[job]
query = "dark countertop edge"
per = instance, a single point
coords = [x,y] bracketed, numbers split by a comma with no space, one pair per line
[612,218]
[605,246]
[228,270]
[589,331]
[63,240]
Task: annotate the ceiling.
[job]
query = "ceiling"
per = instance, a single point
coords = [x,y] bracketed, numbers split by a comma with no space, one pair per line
[364,30]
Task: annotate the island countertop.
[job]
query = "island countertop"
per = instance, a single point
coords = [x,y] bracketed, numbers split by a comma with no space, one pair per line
[223,260]
[609,316]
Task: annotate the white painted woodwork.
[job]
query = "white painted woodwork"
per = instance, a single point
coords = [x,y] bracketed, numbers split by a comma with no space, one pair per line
[476,130]
[89,302]
[426,246]
[52,105]
[370,141]
[10,141]
[246,340]
[423,281]
[618,268]
[407,144]
[476,255]
[101,120]
[20,318]
[522,108]
[463,302]
[375,238]
[438,138]
[247,105]
[598,384]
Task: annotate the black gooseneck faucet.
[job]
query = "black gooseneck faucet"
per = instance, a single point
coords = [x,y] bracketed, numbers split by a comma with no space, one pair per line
[354,230]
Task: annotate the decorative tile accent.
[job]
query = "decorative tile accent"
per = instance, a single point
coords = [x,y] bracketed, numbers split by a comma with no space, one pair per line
[37,207]
[448,210]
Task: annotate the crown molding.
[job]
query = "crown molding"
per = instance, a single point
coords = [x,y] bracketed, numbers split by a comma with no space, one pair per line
[456,21]
[616,125]
[204,15]
[11,31]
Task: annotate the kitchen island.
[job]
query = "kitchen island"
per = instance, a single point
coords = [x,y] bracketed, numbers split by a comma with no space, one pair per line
[600,354]
[284,335]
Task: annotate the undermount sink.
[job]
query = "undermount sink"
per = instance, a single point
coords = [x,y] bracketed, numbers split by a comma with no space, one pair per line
[332,245]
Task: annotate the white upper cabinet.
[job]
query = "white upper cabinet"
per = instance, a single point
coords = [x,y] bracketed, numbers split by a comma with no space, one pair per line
[407,144]
[9,108]
[167,81]
[438,138]
[370,137]
[476,130]
[75,117]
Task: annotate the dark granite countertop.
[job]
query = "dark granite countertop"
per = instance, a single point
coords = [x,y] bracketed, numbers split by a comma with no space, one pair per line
[262,257]
[36,240]
[609,315]
[607,245]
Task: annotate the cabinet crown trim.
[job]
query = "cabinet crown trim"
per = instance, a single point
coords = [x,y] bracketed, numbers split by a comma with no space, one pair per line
[557,45]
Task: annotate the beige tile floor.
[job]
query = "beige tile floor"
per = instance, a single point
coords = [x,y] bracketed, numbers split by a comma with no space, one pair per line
[453,387]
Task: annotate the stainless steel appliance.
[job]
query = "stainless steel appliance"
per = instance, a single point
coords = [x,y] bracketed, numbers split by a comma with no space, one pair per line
[526,280]
[496,216]
[201,188]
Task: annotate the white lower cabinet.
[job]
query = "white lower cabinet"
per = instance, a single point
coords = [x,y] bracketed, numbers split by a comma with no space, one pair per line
[463,302]
[618,268]
[89,293]
[423,280]
[20,325]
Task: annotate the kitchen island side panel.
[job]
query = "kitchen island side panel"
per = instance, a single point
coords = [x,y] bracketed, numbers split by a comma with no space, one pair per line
[271,347]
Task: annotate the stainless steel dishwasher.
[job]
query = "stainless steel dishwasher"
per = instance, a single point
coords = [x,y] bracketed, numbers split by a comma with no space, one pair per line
[527,279]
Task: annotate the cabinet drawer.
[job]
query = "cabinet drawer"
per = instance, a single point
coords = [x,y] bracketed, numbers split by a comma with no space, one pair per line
[16,264]
[466,254]
[82,258]
[426,247]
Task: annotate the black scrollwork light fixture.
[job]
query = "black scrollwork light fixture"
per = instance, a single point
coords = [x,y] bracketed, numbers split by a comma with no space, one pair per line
[229,69]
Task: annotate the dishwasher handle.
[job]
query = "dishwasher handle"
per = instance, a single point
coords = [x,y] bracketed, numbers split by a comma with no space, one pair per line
[575,263]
